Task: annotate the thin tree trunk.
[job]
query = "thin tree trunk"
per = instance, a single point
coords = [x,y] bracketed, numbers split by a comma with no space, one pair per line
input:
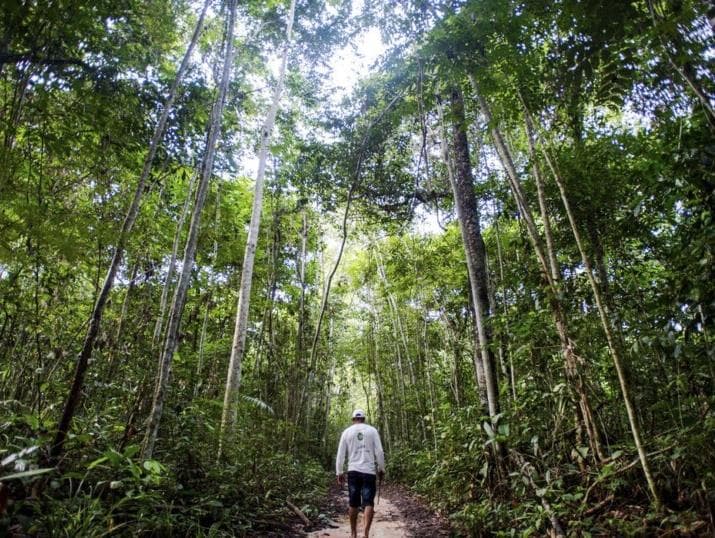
[329,282]
[477,363]
[572,366]
[177,307]
[202,340]
[299,362]
[233,377]
[159,325]
[202,345]
[499,337]
[95,319]
[455,374]
[609,331]
[430,383]
[541,196]
[500,261]
[120,325]
[328,400]
[384,419]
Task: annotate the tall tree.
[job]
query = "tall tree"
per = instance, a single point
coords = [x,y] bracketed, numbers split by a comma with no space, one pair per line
[233,377]
[475,252]
[179,300]
[95,319]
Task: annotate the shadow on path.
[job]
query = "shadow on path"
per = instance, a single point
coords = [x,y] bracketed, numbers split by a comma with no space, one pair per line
[387,523]
[398,514]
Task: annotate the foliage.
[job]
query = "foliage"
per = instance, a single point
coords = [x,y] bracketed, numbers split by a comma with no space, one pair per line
[620,102]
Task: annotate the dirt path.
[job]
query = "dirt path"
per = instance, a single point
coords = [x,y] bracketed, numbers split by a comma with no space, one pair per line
[388,522]
[398,514]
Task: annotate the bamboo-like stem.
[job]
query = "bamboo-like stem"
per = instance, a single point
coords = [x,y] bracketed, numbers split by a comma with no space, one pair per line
[608,329]
[238,347]
[95,319]
[179,300]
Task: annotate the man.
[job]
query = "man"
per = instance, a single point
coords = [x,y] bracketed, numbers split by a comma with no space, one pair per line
[361,443]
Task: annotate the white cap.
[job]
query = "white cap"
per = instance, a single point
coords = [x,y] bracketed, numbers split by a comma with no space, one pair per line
[358,413]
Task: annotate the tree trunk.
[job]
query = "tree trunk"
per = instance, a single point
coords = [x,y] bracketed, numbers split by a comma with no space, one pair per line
[538,179]
[120,325]
[500,261]
[233,377]
[300,362]
[609,330]
[159,325]
[475,252]
[177,307]
[198,382]
[381,411]
[96,317]
[573,368]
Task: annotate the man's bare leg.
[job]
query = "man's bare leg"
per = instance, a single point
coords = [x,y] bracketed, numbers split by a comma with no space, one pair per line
[353,512]
[369,512]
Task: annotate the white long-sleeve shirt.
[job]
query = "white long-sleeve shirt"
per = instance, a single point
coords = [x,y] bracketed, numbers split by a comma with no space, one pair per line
[361,443]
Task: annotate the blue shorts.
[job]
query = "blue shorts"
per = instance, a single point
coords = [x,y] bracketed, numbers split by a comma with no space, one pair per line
[361,488]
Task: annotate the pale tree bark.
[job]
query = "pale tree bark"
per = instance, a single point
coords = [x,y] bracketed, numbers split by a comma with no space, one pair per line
[233,377]
[475,251]
[159,325]
[500,261]
[611,332]
[96,317]
[179,300]
[572,363]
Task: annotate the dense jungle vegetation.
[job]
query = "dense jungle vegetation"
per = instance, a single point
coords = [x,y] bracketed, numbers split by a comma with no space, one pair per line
[500,243]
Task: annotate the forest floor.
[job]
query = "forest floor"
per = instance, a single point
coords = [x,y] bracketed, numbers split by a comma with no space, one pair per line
[398,514]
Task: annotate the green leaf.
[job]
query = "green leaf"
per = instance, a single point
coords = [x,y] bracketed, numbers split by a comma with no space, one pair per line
[488,428]
[153,466]
[97,462]
[26,474]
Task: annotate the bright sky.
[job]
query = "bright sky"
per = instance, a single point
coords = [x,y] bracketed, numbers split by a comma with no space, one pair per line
[354,61]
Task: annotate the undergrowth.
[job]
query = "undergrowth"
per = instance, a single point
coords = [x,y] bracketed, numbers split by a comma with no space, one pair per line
[461,480]
[184,492]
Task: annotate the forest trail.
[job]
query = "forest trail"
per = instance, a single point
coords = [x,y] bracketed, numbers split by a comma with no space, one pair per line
[388,522]
[398,513]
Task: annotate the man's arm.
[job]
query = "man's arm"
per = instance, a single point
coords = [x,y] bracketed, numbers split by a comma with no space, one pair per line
[379,454]
[340,458]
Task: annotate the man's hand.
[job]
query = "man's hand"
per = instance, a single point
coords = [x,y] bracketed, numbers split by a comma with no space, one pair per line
[340,479]
[381,475]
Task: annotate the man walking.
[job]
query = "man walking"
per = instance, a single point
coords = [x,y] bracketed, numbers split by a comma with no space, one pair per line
[361,443]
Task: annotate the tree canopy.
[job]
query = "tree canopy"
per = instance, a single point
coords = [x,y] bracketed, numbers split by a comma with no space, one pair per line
[499,242]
